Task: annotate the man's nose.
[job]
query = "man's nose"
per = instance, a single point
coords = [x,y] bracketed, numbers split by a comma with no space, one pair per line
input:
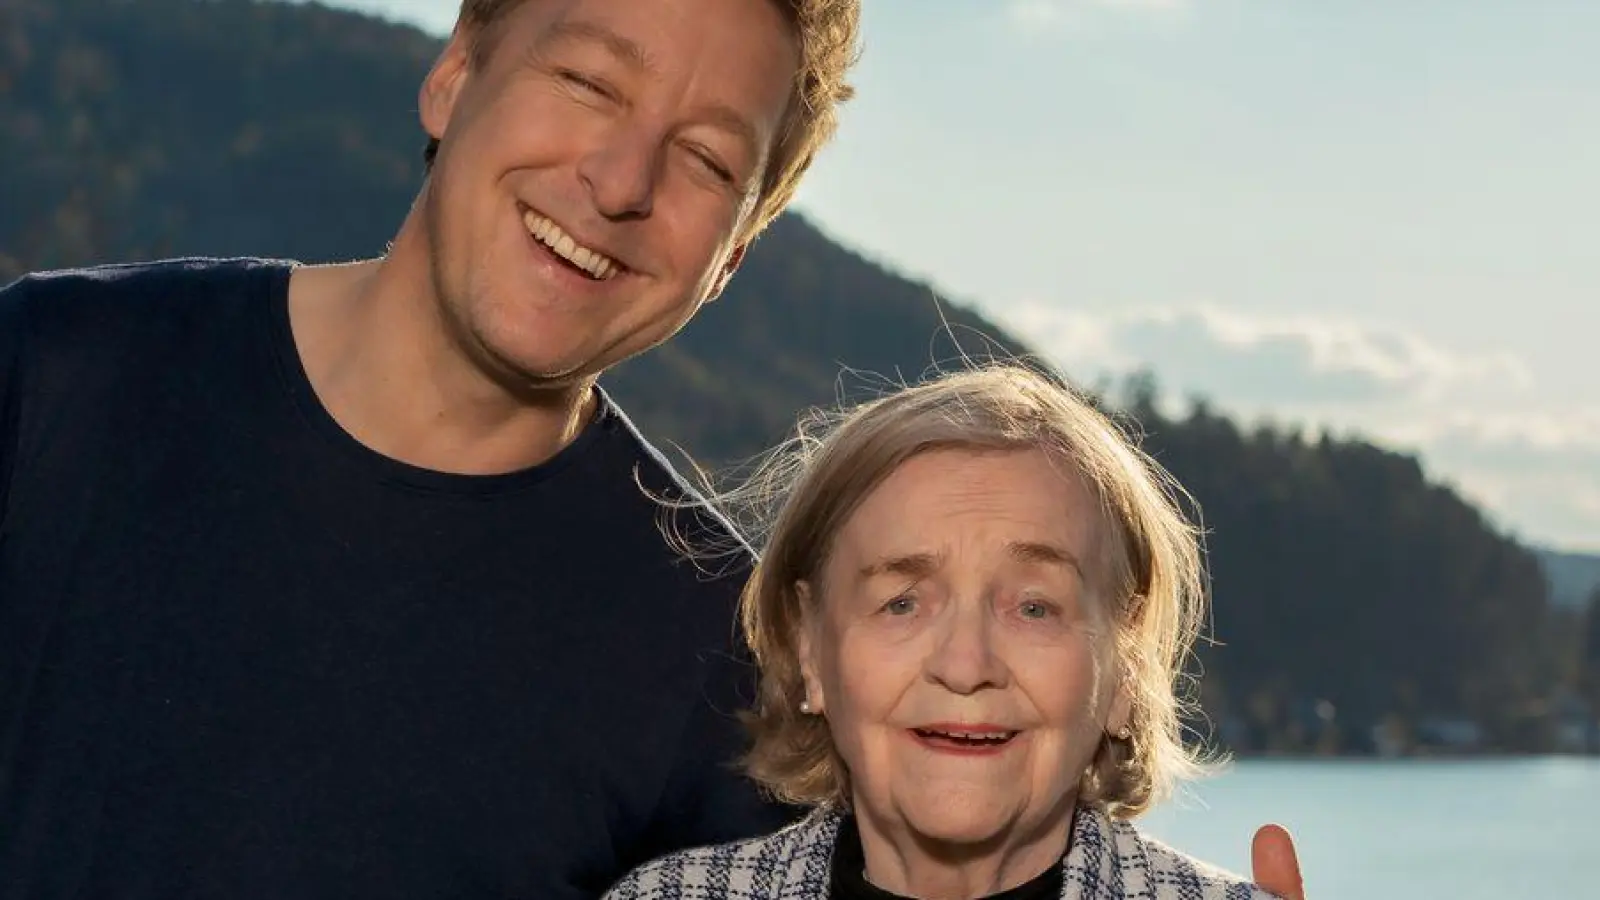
[622,172]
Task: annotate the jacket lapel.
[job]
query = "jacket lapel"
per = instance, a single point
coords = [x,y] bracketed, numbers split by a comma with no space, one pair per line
[805,858]
[1092,865]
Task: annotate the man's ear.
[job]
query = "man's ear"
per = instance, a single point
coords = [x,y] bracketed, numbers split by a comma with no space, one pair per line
[805,646]
[728,268]
[436,101]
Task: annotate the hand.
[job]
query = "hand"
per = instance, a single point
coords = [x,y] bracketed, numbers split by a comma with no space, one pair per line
[1273,864]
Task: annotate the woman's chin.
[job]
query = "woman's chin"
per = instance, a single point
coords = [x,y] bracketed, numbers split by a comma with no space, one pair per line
[958,820]
[954,834]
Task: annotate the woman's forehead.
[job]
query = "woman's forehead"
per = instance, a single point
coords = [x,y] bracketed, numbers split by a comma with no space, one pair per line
[1018,503]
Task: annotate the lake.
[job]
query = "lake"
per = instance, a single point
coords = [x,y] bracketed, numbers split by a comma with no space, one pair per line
[1400,830]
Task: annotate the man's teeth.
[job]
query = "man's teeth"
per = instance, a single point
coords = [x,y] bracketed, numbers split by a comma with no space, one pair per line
[548,233]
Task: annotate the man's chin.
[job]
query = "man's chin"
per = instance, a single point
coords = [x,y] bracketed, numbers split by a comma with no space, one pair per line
[535,375]
[556,380]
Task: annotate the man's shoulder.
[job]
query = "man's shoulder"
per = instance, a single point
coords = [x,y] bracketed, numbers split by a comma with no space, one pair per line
[111,337]
[114,297]
[688,515]
[141,276]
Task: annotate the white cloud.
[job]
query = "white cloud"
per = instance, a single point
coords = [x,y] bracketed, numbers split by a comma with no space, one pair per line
[1478,419]
[1510,438]
[1299,361]
[1553,508]
[1537,471]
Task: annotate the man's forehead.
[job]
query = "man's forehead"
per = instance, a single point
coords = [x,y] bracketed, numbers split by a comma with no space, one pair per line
[573,27]
[624,33]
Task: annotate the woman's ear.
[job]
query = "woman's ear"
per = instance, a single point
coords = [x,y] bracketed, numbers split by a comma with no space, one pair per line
[1119,718]
[806,643]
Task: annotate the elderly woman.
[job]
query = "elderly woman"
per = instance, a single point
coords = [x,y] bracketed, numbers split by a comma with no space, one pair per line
[970,614]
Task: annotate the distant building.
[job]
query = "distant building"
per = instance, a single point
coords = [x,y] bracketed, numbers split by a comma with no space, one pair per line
[1449,735]
[1577,724]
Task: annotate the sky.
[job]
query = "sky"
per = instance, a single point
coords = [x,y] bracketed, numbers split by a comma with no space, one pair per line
[1374,218]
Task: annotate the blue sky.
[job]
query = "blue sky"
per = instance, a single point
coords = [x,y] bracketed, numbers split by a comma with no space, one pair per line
[1376,217]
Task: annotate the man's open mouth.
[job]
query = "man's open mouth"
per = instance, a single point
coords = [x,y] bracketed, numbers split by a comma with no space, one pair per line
[592,263]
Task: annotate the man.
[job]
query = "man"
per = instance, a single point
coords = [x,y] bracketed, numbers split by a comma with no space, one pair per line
[346,581]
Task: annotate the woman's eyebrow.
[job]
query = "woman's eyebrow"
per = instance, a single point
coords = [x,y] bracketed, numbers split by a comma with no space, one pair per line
[1041,552]
[914,565]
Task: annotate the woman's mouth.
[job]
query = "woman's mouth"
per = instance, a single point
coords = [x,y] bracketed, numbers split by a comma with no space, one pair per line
[964,740]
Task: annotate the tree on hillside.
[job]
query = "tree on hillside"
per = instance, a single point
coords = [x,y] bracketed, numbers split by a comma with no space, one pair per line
[1348,589]
[1589,652]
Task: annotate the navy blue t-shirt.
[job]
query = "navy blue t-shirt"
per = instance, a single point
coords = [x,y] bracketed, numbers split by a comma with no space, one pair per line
[242,655]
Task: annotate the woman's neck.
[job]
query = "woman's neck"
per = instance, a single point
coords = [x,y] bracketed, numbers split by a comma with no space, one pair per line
[905,862]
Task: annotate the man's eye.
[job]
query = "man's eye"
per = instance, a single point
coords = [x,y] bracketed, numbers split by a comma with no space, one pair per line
[715,168]
[579,81]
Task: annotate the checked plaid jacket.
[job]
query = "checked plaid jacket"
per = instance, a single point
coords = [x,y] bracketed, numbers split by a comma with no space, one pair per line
[1107,859]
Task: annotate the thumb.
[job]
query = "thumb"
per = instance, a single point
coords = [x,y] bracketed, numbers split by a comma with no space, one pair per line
[1274,865]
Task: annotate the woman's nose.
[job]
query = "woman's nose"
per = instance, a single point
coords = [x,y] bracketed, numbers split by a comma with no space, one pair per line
[965,659]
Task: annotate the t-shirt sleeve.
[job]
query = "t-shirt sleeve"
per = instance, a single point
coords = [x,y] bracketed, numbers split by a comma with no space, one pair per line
[13,326]
[710,800]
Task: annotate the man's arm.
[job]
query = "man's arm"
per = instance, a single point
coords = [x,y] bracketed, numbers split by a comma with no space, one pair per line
[13,324]
[709,799]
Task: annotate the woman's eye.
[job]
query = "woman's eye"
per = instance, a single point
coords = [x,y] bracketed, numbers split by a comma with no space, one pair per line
[900,606]
[1036,609]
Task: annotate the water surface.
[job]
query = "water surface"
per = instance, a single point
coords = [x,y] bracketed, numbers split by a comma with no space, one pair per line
[1398,830]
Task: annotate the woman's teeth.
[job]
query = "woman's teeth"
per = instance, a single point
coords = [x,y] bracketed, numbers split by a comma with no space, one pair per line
[599,266]
[968,737]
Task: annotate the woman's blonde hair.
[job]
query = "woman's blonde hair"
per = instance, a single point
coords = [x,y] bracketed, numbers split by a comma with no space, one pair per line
[1152,576]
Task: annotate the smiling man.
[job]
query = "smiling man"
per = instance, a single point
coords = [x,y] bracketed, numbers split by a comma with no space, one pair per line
[340,581]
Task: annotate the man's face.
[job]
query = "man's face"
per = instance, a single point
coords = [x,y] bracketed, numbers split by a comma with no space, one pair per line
[596,172]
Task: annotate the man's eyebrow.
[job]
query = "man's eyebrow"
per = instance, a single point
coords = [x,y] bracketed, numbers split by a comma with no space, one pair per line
[911,565]
[728,119]
[632,55]
[624,49]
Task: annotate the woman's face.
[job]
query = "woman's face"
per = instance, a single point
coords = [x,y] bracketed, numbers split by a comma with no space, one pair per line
[960,651]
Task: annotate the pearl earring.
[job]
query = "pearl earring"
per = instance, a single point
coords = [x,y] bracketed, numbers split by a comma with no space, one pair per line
[805,707]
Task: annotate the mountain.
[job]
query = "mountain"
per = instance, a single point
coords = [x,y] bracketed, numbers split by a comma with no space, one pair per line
[1574,577]
[1352,593]
[800,308]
